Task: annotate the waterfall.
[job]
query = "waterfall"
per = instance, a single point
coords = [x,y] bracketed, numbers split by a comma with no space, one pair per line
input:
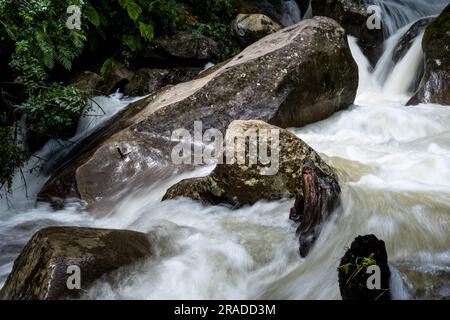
[26,187]
[291,12]
[398,13]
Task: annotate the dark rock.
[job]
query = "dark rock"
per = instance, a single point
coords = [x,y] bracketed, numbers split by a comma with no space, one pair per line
[244,184]
[364,252]
[319,198]
[408,38]
[40,271]
[352,15]
[249,28]
[434,87]
[146,81]
[281,11]
[116,79]
[189,46]
[87,82]
[294,77]
[425,282]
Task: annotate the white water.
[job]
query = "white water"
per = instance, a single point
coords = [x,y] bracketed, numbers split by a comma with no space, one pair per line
[398,13]
[394,169]
[291,13]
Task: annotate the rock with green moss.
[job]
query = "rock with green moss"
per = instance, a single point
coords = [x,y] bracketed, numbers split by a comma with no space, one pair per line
[244,183]
[44,268]
[434,87]
[364,272]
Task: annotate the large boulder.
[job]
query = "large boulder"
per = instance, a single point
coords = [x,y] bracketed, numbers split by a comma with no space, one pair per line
[358,270]
[246,182]
[285,12]
[434,87]
[291,78]
[249,28]
[353,16]
[44,268]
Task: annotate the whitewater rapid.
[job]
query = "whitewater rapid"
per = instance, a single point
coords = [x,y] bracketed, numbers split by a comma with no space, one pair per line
[393,164]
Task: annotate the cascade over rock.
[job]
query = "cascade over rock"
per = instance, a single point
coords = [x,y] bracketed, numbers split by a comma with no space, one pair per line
[294,77]
[434,86]
[353,16]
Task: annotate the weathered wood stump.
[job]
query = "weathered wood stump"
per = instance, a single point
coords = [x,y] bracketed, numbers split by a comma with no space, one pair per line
[319,198]
[364,272]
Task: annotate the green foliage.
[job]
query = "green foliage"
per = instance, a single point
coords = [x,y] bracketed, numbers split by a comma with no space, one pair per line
[213,20]
[54,111]
[36,30]
[12,155]
[39,50]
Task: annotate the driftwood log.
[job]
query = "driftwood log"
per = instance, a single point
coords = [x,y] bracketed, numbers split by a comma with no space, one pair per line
[319,198]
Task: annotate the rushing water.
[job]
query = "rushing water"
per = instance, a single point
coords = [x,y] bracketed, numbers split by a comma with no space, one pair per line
[393,163]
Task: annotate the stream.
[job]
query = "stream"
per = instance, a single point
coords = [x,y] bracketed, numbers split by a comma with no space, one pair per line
[393,163]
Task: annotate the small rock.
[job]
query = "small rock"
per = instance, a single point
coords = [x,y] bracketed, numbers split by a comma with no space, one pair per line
[249,28]
[365,252]
[116,79]
[434,86]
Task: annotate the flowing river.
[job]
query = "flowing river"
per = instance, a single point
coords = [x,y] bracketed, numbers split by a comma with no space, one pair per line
[393,163]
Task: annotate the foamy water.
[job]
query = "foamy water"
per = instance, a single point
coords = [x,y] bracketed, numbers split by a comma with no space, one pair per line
[393,163]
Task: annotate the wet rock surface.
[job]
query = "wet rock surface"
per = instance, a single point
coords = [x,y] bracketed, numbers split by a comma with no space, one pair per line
[41,270]
[244,184]
[314,205]
[294,77]
[354,279]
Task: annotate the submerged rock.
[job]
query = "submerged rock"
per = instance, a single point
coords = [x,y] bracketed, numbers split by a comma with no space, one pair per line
[425,282]
[249,28]
[357,280]
[245,183]
[45,265]
[353,16]
[434,87]
[294,77]
[317,201]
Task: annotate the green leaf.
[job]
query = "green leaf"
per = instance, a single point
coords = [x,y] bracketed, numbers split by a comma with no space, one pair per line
[147,31]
